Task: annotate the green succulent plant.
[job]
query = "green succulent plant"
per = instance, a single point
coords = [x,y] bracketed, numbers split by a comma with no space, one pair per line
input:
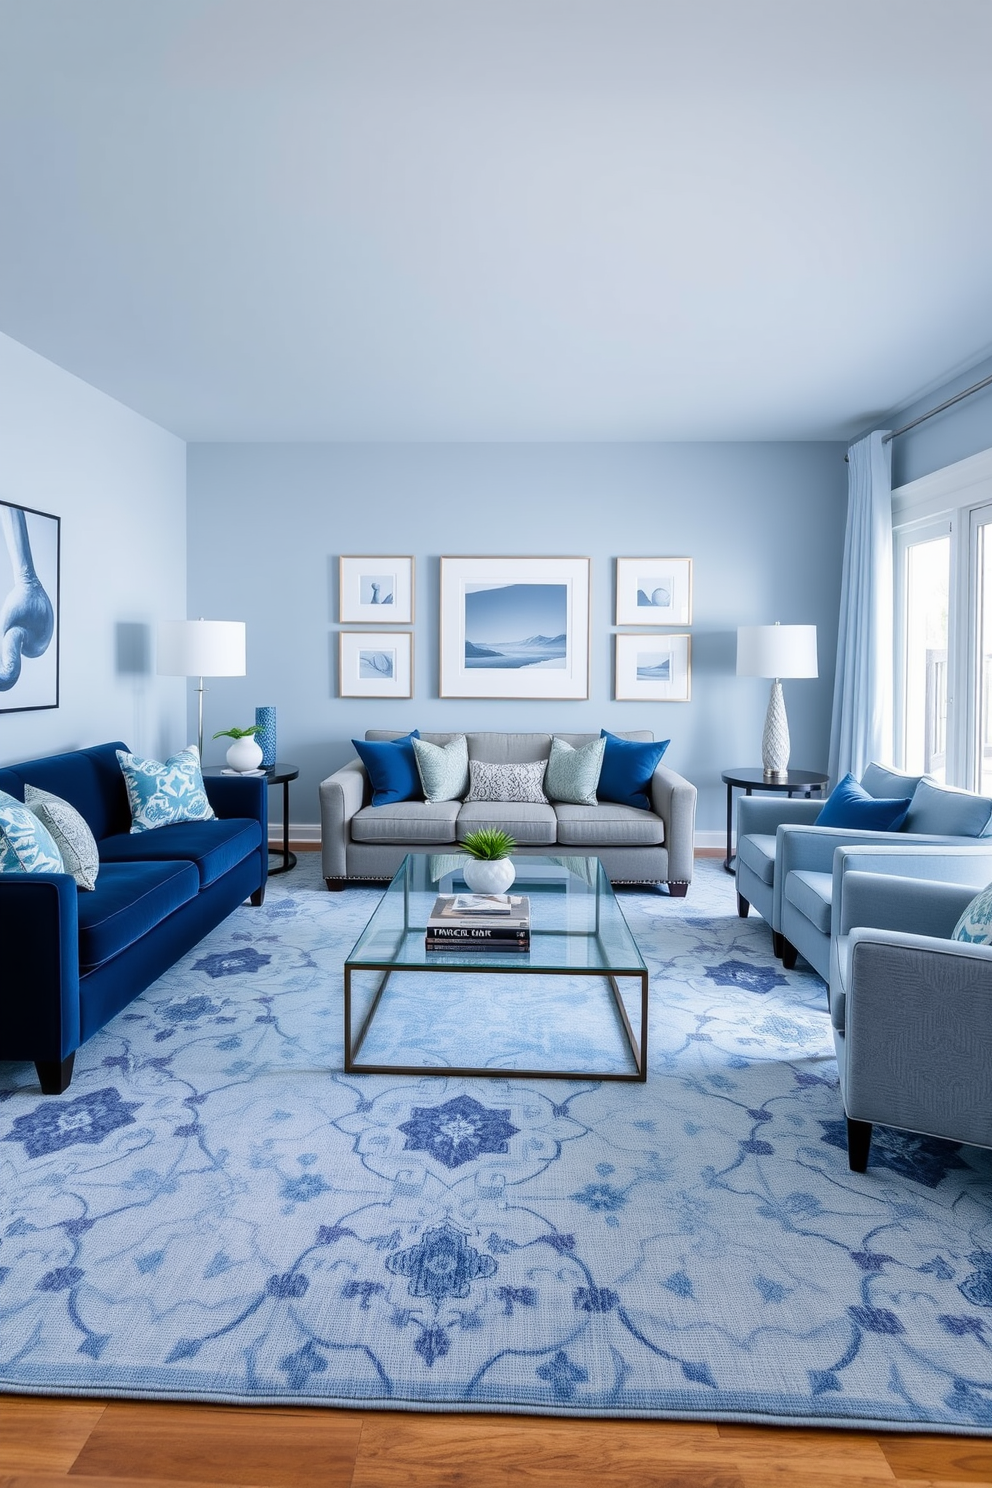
[489,843]
[236,733]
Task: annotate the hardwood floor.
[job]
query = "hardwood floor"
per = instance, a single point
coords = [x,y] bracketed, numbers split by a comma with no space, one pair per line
[49,1443]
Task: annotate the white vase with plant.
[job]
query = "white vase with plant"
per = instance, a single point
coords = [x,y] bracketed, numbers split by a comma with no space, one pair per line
[489,869]
[245,753]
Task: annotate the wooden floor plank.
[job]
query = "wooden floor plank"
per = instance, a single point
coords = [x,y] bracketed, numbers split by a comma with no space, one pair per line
[40,1435]
[232,1446]
[958,1459]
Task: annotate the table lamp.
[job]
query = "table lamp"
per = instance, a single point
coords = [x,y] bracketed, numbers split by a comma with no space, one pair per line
[201,648]
[776,651]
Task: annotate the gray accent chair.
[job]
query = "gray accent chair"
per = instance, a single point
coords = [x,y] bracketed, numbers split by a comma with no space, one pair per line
[785,862]
[361,841]
[911,1009]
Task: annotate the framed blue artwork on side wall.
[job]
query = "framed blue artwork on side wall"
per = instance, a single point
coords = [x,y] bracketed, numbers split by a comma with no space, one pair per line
[29,609]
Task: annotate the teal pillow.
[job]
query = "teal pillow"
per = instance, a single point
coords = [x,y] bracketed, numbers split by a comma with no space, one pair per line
[944,812]
[443,768]
[26,845]
[161,793]
[573,774]
[975,923]
[391,767]
[69,831]
[627,770]
[849,805]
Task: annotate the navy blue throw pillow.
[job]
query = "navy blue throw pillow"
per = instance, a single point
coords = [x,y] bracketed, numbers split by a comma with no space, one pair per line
[392,768]
[849,805]
[627,770]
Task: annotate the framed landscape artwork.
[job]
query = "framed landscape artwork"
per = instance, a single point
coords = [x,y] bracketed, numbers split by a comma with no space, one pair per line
[29,609]
[654,591]
[375,591]
[375,664]
[652,668]
[515,627]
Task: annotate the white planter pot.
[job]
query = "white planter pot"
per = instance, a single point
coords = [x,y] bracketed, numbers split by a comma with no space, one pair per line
[244,754]
[489,875]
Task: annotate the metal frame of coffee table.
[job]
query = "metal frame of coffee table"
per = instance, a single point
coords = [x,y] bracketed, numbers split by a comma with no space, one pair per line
[352,1049]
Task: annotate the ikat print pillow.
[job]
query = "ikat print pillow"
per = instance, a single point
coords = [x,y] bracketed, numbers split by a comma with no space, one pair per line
[26,845]
[975,923]
[70,832]
[162,793]
[443,768]
[518,783]
[573,774]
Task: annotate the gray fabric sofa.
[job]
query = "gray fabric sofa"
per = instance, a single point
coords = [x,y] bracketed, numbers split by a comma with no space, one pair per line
[361,841]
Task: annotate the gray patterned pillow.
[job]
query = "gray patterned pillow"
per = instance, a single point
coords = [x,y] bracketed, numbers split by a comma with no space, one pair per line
[573,774]
[521,783]
[70,832]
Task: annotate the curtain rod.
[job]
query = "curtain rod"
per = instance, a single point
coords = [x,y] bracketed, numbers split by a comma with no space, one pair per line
[976,387]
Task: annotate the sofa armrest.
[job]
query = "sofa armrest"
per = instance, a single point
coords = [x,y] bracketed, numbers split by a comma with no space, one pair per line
[39,932]
[760,816]
[673,798]
[342,796]
[811,850]
[240,795]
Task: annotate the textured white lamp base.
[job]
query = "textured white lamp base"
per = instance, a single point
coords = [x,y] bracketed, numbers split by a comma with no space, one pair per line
[775,742]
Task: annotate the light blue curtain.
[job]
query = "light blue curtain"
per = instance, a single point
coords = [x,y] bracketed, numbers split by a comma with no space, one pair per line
[861,725]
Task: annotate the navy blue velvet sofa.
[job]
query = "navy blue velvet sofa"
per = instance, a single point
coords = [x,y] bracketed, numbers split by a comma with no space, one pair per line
[72,958]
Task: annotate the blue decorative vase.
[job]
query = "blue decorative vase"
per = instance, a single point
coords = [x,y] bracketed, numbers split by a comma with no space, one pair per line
[266,736]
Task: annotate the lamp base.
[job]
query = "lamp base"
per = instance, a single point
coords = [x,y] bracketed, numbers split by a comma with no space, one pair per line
[776,745]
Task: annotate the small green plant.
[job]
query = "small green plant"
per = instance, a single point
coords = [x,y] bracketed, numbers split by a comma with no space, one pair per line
[236,733]
[489,843]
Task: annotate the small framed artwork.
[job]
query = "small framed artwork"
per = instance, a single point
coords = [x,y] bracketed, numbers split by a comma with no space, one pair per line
[375,591]
[654,591]
[652,668]
[515,627]
[375,664]
[29,605]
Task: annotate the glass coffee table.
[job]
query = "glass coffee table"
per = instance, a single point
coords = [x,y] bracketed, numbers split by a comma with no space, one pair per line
[489,998]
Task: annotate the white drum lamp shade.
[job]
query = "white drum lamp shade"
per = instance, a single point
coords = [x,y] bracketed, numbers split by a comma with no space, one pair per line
[201,648]
[776,651]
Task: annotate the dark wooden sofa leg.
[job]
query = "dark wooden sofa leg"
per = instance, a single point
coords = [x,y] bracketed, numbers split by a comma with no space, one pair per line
[258,897]
[53,1075]
[742,906]
[678,890]
[335,885]
[858,1144]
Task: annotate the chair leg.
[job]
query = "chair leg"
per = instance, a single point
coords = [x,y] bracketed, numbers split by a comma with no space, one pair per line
[858,1143]
[742,906]
[777,944]
[789,954]
[54,1075]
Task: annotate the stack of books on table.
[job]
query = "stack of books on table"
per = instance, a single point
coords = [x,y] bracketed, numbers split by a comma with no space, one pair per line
[472,922]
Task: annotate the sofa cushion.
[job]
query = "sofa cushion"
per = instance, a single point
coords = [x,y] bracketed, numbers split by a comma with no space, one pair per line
[443,768]
[26,845]
[129,900]
[850,805]
[627,769]
[70,832]
[391,767]
[406,821]
[518,783]
[573,774]
[608,825]
[162,792]
[508,748]
[811,894]
[757,852]
[944,812]
[213,847]
[880,780]
[528,824]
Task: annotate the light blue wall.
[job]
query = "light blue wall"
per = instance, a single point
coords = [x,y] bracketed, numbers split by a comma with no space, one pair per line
[953,435]
[763,524]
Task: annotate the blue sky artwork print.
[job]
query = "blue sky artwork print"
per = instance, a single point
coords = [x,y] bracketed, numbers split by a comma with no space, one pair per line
[654,666]
[381,664]
[516,625]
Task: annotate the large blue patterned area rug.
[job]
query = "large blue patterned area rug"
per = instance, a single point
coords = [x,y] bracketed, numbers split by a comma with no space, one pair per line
[214,1211]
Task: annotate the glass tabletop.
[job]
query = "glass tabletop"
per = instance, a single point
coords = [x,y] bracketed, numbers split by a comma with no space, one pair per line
[576,922]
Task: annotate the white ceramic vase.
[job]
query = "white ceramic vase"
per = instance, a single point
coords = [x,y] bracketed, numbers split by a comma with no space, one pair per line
[244,754]
[489,875]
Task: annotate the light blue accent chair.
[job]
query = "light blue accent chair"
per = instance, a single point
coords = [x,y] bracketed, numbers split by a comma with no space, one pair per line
[911,1008]
[785,863]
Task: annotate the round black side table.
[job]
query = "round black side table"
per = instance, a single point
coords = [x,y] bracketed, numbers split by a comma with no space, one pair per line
[749,779]
[275,775]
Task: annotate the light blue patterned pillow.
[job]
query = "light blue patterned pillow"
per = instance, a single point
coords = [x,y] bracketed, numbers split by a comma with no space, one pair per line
[26,845]
[160,794]
[443,768]
[573,774]
[975,923]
